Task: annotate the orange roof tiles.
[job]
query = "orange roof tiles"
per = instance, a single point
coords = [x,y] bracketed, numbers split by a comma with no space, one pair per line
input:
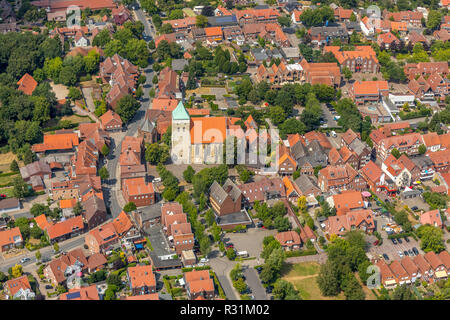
[164,104]
[16,284]
[27,84]
[10,236]
[42,221]
[348,200]
[141,276]
[65,227]
[86,293]
[61,141]
[67,203]
[109,116]
[432,217]
[210,130]
[122,223]
[137,186]
[213,31]
[288,238]
[370,87]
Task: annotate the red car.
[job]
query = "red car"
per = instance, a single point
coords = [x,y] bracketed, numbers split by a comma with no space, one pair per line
[376,242]
[230,246]
[2,196]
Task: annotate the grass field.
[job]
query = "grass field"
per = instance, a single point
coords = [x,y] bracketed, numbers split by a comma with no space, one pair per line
[7,179]
[5,161]
[303,277]
[7,191]
[76,119]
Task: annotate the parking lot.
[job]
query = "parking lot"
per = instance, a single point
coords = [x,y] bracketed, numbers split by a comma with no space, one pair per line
[250,241]
[388,247]
[417,202]
[328,117]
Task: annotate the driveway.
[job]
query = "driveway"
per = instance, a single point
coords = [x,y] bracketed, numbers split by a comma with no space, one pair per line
[250,241]
[255,284]
[87,93]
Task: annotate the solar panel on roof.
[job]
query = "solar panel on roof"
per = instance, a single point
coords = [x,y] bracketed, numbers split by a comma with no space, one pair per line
[73,295]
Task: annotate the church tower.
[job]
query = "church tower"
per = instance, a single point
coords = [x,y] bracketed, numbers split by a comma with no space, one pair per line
[181,135]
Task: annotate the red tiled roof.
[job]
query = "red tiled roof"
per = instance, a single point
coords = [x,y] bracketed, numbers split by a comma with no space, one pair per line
[7,236]
[65,227]
[27,84]
[122,223]
[141,276]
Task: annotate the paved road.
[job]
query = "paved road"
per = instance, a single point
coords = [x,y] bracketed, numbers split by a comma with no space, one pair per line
[111,190]
[45,252]
[255,284]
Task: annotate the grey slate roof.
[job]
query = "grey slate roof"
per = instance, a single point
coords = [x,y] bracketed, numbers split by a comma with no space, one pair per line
[217,192]
[148,126]
[313,154]
[232,189]
[305,183]
[150,212]
[358,146]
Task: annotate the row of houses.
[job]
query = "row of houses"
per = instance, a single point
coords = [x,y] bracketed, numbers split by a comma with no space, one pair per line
[429,267]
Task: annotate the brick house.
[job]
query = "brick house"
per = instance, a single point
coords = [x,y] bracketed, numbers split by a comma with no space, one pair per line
[141,280]
[199,284]
[368,91]
[136,190]
[361,59]
[289,240]
[10,238]
[111,121]
[102,238]
[65,229]
[340,178]
[358,219]
[226,199]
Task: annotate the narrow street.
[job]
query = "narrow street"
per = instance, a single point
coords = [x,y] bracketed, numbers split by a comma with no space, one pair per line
[112,189]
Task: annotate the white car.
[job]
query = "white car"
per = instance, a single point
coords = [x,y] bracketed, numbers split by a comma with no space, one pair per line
[400,254]
[204,260]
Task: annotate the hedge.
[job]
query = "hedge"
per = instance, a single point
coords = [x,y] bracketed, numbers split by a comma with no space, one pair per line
[7,174]
[195,268]
[309,252]
[401,235]
[217,283]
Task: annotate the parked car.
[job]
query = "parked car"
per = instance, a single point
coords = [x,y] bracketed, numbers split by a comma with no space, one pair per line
[394,241]
[23,260]
[259,269]
[259,224]
[411,253]
[406,239]
[2,196]
[416,252]
[45,259]
[406,253]
[48,287]
[269,289]
[400,254]
[415,208]
[385,256]
[376,242]
[230,245]
[203,260]
[399,240]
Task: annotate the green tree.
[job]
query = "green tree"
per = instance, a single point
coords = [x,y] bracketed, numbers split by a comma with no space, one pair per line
[284,290]
[156,153]
[130,206]
[166,28]
[347,73]
[210,217]
[216,232]
[240,285]
[38,255]
[434,19]
[205,246]
[78,208]
[431,238]
[103,173]
[74,94]
[231,254]
[14,166]
[105,150]
[422,149]
[396,153]
[201,21]
[403,292]
[328,279]
[188,174]
[56,247]
[20,188]
[352,289]
[127,107]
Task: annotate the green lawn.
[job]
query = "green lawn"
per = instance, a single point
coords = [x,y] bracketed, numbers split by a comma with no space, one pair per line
[7,179]
[7,191]
[301,269]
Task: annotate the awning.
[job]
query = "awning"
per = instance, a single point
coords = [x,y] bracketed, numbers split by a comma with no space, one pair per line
[441,274]
[390,282]
[365,194]
[139,246]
